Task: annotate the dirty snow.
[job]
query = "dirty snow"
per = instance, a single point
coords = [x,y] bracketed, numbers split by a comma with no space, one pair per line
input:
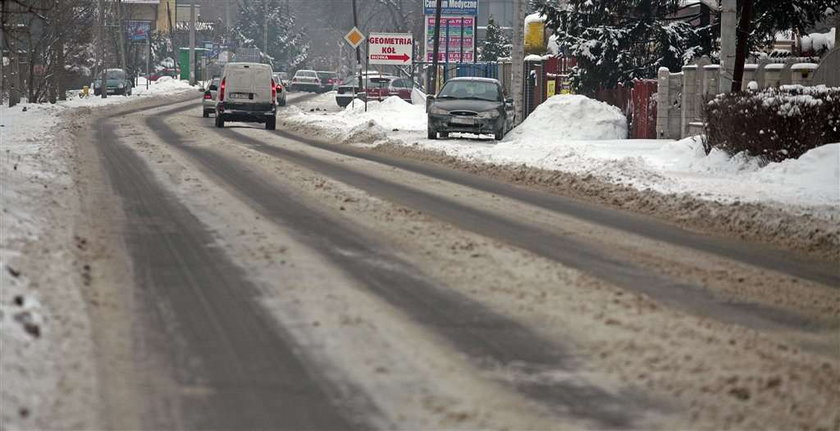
[571,133]
[45,340]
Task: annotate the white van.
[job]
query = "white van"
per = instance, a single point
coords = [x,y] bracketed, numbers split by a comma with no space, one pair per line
[247,92]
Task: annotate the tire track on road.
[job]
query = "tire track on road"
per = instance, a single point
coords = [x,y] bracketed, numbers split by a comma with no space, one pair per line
[233,366]
[494,343]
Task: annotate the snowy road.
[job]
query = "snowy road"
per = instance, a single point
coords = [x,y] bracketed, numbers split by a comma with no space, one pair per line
[247,279]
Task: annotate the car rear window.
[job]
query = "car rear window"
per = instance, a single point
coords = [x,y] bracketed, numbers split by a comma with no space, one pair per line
[379,82]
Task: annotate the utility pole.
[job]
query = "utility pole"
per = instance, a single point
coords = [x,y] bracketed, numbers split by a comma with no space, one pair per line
[192,42]
[121,32]
[358,50]
[3,48]
[741,50]
[728,42]
[227,18]
[435,51]
[103,83]
[518,58]
[265,27]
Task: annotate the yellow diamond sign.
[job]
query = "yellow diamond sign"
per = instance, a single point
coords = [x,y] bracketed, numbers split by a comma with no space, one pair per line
[354,37]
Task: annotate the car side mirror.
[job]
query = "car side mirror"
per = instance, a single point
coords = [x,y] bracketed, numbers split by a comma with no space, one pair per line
[430,98]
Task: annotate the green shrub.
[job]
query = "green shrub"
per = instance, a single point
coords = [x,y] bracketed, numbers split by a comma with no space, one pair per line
[773,124]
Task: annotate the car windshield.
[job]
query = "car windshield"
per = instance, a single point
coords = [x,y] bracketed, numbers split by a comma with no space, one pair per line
[480,90]
[115,74]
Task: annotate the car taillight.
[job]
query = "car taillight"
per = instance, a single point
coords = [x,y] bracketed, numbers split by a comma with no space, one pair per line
[207,97]
[222,91]
[273,90]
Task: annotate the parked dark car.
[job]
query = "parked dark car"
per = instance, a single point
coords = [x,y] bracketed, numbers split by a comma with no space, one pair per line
[470,105]
[116,82]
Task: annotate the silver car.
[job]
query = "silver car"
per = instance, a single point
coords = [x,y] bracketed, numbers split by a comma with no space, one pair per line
[208,103]
[306,80]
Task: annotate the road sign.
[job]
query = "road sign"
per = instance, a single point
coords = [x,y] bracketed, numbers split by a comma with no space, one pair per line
[390,48]
[354,37]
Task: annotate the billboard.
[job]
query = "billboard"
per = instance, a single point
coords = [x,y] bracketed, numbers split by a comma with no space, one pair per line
[138,31]
[452,7]
[395,49]
[461,34]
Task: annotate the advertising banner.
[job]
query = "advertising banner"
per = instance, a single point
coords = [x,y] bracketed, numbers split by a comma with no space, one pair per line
[452,7]
[138,31]
[461,34]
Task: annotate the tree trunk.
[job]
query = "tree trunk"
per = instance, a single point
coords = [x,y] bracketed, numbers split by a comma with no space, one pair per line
[741,50]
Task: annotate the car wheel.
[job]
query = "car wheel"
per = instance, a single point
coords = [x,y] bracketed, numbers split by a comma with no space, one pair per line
[205,114]
[220,122]
[500,133]
[270,123]
[444,135]
[283,102]
[432,133]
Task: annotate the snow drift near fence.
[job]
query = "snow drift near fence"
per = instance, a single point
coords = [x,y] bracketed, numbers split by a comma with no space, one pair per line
[572,117]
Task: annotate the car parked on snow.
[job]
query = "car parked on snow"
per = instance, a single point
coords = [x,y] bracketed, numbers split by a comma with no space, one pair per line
[329,80]
[470,105]
[211,93]
[116,82]
[349,88]
[382,87]
[247,92]
[306,80]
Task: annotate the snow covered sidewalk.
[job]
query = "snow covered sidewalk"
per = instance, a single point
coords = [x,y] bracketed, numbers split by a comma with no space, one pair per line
[577,135]
[46,351]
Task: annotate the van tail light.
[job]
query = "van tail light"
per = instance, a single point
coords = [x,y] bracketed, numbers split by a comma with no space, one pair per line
[273,90]
[207,96]
[222,91]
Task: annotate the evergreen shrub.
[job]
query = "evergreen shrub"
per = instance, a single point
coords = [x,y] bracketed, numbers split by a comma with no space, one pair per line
[775,123]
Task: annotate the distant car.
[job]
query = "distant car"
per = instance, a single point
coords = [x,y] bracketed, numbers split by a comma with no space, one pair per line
[282,84]
[116,82]
[208,102]
[172,73]
[470,105]
[383,87]
[247,92]
[349,88]
[306,80]
[329,80]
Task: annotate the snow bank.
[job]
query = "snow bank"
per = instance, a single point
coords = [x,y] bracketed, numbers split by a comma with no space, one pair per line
[572,117]
[574,134]
[391,113]
[161,87]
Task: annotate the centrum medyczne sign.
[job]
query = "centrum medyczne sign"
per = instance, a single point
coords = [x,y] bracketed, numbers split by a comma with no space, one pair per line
[452,7]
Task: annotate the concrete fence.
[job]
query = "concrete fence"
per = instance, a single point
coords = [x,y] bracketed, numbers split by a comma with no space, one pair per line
[681,95]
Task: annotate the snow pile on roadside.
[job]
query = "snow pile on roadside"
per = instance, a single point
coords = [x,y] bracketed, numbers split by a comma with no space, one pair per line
[383,121]
[161,87]
[392,113]
[573,117]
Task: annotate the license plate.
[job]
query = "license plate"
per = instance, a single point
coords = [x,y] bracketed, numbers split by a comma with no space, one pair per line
[465,121]
[239,95]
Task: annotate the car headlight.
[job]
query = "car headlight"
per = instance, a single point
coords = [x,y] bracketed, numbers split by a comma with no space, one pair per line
[486,115]
[121,86]
[438,111]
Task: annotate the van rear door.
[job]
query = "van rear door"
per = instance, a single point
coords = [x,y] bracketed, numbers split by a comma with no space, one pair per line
[248,83]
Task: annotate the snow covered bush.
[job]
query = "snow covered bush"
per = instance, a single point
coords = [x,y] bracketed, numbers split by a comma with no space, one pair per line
[773,124]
